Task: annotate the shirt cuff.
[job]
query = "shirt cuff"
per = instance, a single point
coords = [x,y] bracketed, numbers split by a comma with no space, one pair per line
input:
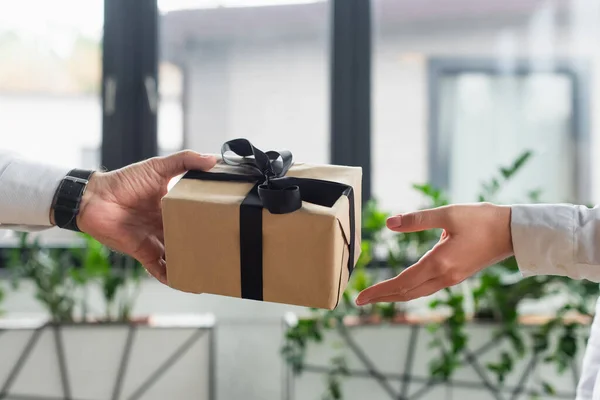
[28,189]
[543,239]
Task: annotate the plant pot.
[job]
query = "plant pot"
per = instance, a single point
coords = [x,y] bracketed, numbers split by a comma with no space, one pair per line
[150,358]
[392,361]
[399,318]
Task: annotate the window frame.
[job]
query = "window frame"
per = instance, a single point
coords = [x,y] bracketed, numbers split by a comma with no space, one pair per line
[577,70]
[129,82]
[350,79]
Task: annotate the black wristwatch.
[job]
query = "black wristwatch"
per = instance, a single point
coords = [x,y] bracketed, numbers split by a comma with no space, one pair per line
[68,198]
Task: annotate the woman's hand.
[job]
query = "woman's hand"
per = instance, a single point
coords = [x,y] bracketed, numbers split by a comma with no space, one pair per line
[474,236]
[122,208]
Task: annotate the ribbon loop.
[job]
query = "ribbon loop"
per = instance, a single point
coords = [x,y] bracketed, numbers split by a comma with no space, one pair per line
[280,201]
[271,164]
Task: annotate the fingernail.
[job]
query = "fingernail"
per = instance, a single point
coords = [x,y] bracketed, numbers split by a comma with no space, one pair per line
[361,300]
[394,222]
[163,273]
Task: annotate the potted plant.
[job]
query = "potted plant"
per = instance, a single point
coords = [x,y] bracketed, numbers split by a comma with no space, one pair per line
[517,354]
[90,349]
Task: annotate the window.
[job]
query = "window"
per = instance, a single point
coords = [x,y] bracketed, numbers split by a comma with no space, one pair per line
[50,74]
[50,79]
[482,119]
[170,108]
[257,70]
[515,80]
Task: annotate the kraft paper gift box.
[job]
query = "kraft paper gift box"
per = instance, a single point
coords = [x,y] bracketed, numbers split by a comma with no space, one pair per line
[259,226]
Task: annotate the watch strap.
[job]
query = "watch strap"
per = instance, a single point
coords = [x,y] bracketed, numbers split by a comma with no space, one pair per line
[68,198]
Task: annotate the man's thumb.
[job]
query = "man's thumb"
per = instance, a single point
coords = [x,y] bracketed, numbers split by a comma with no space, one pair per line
[183,161]
[419,220]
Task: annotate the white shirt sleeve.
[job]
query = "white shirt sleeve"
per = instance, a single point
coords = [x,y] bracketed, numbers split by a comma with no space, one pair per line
[563,240]
[558,239]
[586,388]
[26,192]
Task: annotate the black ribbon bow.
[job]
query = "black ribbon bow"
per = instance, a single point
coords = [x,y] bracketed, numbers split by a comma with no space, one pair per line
[279,194]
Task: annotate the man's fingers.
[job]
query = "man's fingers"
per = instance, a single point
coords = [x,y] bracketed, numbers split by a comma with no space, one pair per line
[420,220]
[183,161]
[158,269]
[152,256]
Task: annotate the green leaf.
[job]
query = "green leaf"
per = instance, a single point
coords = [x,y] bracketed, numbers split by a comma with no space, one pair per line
[366,255]
[110,286]
[386,310]
[455,301]
[534,196]
[2,294]
[540,342]
[501,368]
[96,259]
[516,340]
[373,220]
[548,388]
[361,280]
[435,303]
[433,328]
[508,173]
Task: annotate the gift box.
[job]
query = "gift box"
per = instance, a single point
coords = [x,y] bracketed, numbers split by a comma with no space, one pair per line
[260,227]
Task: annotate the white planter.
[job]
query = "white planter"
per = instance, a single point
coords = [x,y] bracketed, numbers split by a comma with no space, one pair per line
[382,366]
[164,358]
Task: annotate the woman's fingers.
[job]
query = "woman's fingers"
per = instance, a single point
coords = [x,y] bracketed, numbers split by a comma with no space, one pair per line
[426,289]
[436,218]
[436,265]
[411,277]
[383,289]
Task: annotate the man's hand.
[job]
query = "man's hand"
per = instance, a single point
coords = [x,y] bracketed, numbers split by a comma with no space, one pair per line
[122,208]
[474,237]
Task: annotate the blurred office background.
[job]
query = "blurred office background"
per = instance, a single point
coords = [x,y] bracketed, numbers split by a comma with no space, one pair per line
[443,92]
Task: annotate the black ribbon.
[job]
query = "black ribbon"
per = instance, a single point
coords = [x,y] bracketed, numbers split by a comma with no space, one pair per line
[277,193]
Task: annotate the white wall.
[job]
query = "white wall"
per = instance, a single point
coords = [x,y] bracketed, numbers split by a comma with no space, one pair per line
[274,94]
